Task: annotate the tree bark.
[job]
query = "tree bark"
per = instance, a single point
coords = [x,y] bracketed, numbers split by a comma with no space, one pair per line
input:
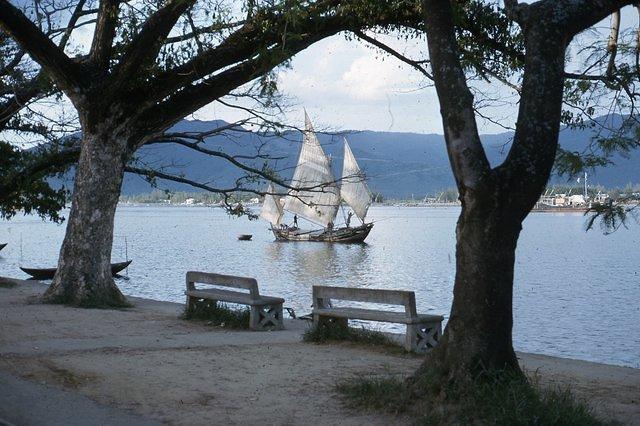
[478,334]
[84,276]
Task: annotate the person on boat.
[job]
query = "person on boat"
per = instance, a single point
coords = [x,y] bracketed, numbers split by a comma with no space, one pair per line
[295,220]
[349,219]
[330,226]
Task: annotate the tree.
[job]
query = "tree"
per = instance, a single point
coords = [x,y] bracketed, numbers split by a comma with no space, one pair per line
[138,79]
[495,201]
[22,179]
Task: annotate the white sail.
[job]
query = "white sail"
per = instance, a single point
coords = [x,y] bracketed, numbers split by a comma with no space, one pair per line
[354,190]
[320,204]
[272,207]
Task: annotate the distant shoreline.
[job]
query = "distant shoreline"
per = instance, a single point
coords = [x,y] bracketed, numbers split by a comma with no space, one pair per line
[390,204]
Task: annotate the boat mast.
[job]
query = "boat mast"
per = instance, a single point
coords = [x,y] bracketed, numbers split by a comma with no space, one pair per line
[585,186]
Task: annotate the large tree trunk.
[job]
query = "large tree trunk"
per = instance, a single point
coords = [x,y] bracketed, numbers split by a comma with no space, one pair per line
[84,276]
[478,335]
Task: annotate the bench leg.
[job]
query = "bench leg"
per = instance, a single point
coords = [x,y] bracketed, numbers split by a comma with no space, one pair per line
[421,338]
[411,338]
[267,317]
[191,304]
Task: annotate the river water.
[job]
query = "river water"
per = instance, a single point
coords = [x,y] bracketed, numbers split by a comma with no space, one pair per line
[577,293]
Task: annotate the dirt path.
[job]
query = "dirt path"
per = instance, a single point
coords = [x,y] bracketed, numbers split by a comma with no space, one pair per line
[150,363]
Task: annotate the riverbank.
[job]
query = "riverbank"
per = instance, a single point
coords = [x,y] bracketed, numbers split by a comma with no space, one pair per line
[147,362]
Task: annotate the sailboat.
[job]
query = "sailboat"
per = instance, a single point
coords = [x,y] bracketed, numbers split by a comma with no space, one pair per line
[317,197]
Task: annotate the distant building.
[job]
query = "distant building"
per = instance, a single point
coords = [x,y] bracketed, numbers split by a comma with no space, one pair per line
[555,200]
[189,201]
[601,198]
[576,200]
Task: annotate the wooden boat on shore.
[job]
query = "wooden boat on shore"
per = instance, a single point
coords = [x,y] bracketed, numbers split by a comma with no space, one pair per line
[48,273]
[3,245]
[317,197]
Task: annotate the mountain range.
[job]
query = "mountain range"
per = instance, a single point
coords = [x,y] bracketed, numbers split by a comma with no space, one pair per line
[397,165]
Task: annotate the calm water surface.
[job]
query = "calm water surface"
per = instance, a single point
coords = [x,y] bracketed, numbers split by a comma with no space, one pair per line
[577,294]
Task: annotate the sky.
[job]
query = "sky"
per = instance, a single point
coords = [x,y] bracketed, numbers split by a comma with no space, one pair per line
[347,85]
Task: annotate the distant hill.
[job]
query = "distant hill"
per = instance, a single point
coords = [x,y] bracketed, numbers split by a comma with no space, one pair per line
[397,164]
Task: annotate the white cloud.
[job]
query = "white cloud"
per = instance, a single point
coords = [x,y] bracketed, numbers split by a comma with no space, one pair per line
[371,79]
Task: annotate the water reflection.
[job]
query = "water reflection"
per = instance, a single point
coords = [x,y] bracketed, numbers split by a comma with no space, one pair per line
[308,264]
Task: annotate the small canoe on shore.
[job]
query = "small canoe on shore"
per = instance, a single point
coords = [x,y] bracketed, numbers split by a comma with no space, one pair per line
[3,245]
[245,237]
[48,273]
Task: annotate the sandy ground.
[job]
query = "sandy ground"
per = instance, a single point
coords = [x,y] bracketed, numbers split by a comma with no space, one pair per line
[147,362]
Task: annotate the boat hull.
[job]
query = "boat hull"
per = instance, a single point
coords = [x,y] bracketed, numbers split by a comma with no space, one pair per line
[48,273]
[3,245]
[338,235]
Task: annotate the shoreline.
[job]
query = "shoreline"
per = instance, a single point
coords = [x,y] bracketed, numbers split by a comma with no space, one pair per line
[147,362]
[581,210]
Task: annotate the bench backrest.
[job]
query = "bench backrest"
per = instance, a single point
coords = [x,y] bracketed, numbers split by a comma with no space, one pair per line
[224,281]
[322,296]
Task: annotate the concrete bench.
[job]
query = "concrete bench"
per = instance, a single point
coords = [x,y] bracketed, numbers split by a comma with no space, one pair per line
[265,313]
[423,331]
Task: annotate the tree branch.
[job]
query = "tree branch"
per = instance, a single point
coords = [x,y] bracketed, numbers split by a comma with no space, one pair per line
[415,64]
[103,35]
[146,45]
[45,164]
[66,73]
[549,27]
[468,159]
[154,174]
[211,29]
[612,42]
[270,27]
[229,158]
[71,25]
[195,96]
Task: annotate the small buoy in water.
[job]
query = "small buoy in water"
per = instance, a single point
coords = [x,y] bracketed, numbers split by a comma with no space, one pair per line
[245,237]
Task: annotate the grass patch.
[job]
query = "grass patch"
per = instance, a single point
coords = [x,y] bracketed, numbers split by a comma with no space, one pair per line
[511,400]
[330,331]
[219,314]
[381,393]
[500,398]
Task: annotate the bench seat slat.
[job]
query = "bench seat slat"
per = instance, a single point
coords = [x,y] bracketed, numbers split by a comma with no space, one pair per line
[374,315]
[356,294]
[233,297]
